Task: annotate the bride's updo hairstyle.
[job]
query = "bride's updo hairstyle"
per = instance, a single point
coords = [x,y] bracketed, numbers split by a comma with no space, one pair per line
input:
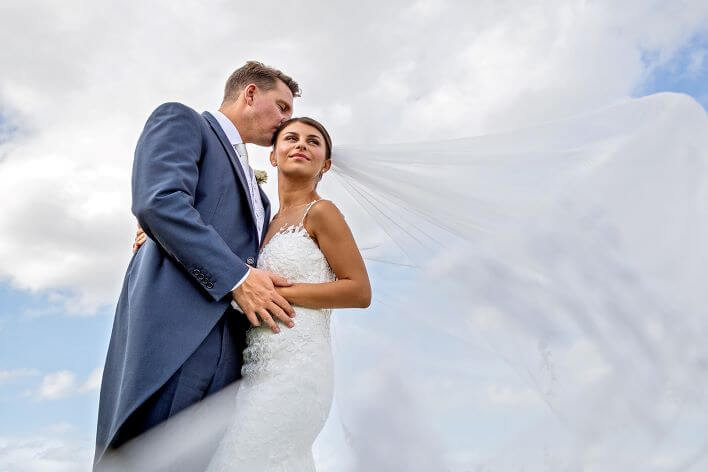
[308,121]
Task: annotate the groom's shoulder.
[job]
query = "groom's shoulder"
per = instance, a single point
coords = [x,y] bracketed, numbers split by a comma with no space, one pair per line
[176,107]
[174,111]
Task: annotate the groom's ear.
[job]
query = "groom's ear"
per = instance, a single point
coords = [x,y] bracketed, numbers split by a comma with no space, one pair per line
[249,93]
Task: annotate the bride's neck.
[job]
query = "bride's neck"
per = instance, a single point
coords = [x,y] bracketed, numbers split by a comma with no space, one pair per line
[292,193]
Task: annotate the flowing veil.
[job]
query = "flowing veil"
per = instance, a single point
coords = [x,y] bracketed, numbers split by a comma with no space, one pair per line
[539,303]
[539,297]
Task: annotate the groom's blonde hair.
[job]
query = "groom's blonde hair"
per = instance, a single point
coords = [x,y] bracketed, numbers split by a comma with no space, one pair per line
[254,72]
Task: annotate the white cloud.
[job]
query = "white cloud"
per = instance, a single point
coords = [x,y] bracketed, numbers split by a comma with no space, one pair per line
[57,385]
[64,384]
[93,382]
[79,85]
[82,84]
[44,453]
[506,396]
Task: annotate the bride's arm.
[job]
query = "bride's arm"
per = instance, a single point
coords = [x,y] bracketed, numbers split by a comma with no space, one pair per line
[352,288]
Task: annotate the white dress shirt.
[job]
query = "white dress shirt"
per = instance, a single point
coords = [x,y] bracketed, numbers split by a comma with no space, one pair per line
[235,139]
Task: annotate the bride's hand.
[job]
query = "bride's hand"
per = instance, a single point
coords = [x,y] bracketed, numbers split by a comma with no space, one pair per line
[284,292]
[140,238]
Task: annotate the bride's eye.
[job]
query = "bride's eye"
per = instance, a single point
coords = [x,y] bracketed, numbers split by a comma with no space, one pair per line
[315,142]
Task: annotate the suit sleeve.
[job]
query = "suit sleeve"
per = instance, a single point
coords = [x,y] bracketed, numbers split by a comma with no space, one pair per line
[165,176]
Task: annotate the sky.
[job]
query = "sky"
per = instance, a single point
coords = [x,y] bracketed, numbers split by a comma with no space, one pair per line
[80,78]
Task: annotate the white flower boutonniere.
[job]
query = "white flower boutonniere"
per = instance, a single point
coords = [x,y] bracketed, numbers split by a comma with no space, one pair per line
[261,176]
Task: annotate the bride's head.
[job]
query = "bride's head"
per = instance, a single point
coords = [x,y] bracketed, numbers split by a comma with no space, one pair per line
[302,150]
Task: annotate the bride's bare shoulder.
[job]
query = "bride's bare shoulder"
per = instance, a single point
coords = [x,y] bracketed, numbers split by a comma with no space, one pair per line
[323,215]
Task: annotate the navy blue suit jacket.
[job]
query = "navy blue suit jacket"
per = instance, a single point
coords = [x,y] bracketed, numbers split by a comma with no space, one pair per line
[190,196]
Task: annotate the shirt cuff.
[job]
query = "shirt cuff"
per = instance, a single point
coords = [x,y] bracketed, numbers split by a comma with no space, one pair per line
[243,279]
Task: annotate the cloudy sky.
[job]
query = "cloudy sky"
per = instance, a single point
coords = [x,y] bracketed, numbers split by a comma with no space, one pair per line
[78,80]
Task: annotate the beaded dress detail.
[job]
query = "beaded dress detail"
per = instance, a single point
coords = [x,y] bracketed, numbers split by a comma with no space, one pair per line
[287,386]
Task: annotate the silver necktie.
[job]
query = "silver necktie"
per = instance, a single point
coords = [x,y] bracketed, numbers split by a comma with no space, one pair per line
[252,186]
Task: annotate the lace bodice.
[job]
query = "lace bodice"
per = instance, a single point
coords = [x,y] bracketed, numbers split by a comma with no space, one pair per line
[287,386]
[294,255]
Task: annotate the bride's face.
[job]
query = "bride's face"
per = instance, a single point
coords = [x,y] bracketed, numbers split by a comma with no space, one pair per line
[300,152]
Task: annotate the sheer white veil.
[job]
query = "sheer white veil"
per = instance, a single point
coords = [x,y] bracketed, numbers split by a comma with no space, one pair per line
[539,303]
[539,297]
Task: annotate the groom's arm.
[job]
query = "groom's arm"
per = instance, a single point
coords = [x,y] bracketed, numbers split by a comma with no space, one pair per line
[165,176]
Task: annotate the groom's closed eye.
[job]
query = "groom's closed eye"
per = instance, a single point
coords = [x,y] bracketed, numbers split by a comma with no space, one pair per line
[284,107]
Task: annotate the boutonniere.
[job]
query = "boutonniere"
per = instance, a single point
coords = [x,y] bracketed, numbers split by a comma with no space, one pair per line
[261,176]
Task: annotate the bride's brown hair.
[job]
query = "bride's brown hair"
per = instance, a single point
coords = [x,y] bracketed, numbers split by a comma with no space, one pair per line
[308,121]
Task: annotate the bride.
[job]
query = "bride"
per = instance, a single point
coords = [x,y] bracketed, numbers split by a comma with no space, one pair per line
[287,385]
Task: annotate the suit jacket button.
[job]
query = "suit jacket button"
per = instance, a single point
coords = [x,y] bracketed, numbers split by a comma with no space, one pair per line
[250,261]
[209,285]
[196,272]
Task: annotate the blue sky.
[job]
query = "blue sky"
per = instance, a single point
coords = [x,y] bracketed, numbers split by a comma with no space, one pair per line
[46,343]
[39,336]
[684,73]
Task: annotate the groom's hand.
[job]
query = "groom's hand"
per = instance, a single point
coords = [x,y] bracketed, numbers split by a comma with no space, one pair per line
[258,298]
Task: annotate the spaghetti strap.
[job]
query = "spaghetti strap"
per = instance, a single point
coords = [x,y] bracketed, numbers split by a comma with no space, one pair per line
[302,220]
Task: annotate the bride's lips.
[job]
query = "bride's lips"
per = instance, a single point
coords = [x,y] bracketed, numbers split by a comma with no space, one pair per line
[300,155]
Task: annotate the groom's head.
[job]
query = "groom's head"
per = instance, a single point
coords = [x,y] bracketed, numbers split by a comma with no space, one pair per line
[258,98]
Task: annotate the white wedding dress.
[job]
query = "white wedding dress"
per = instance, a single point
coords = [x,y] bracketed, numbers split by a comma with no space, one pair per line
[287,386]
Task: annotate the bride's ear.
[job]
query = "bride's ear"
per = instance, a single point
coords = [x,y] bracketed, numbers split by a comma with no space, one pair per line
[326,166]
[273,162]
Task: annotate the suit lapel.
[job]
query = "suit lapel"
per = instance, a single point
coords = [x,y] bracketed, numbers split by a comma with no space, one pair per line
[233,159]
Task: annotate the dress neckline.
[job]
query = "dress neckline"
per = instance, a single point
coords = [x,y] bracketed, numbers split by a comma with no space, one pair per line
[292,228]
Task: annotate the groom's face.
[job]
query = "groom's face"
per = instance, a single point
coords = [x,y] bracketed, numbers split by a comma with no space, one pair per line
[270,108]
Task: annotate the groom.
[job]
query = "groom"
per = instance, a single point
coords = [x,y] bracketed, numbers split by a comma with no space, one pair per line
[176,337]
